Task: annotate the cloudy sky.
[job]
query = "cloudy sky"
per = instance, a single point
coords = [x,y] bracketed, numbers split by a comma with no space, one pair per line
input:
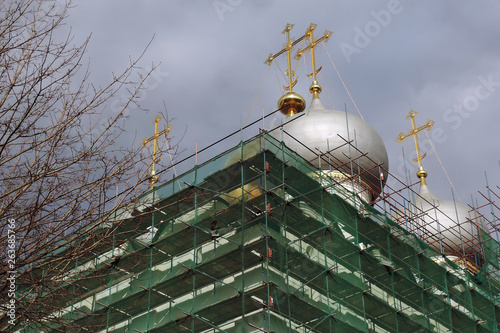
[440,58]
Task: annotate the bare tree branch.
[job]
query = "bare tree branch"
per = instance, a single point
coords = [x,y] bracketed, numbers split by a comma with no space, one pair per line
[60,162]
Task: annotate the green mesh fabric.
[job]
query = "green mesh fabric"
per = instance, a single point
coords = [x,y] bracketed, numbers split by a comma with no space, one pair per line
[251,241]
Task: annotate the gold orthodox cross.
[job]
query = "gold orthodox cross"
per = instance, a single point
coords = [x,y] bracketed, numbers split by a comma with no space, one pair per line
[288,49]
[290,103]
[154,178]
[315,88]
[414,131]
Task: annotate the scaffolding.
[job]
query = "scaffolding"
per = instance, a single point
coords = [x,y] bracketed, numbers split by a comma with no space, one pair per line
[259,240]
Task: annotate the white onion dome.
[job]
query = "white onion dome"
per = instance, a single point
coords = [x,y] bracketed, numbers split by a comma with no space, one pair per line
[326,129]
[455,224]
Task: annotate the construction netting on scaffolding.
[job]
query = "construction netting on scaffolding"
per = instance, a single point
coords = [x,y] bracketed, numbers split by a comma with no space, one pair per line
[468,235]
[378,272]
[461,232]
[258,240]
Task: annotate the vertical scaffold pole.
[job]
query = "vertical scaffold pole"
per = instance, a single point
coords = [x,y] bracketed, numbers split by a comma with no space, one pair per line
[422,287]
[266,202]
[110,284]
[195,252]
[392,279]
[151,256]
[285,235]
[469,292]
[242,242]
[448,300]
[491,204]
[458,223]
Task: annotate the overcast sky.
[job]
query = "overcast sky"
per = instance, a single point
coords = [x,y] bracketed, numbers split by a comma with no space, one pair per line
[440,58]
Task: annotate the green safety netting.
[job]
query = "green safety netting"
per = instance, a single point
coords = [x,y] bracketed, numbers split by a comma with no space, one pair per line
[254,241]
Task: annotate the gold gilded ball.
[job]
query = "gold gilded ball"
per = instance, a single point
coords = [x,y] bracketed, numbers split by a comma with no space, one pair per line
[291,103]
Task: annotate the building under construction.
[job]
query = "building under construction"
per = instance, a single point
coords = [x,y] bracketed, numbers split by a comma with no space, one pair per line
[270,244]
[281,234]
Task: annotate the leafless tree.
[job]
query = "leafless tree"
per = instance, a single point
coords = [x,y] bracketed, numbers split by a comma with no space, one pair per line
[60,159]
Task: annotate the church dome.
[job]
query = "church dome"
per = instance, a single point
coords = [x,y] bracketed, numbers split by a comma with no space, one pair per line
[449,227]
[455,224]
[328,130]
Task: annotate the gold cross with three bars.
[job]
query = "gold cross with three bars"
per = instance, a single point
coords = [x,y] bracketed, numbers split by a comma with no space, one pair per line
[421,173]
[315,88]
[292,103]
[154,178]
[288,49]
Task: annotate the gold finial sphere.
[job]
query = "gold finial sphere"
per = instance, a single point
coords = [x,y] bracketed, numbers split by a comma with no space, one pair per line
[315,89]
[291,103]
[421,174]
[153,179]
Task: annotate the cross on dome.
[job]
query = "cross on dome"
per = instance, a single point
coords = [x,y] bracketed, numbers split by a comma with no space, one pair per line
[421,172]
[290,103]
[153,178]
[315,88]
